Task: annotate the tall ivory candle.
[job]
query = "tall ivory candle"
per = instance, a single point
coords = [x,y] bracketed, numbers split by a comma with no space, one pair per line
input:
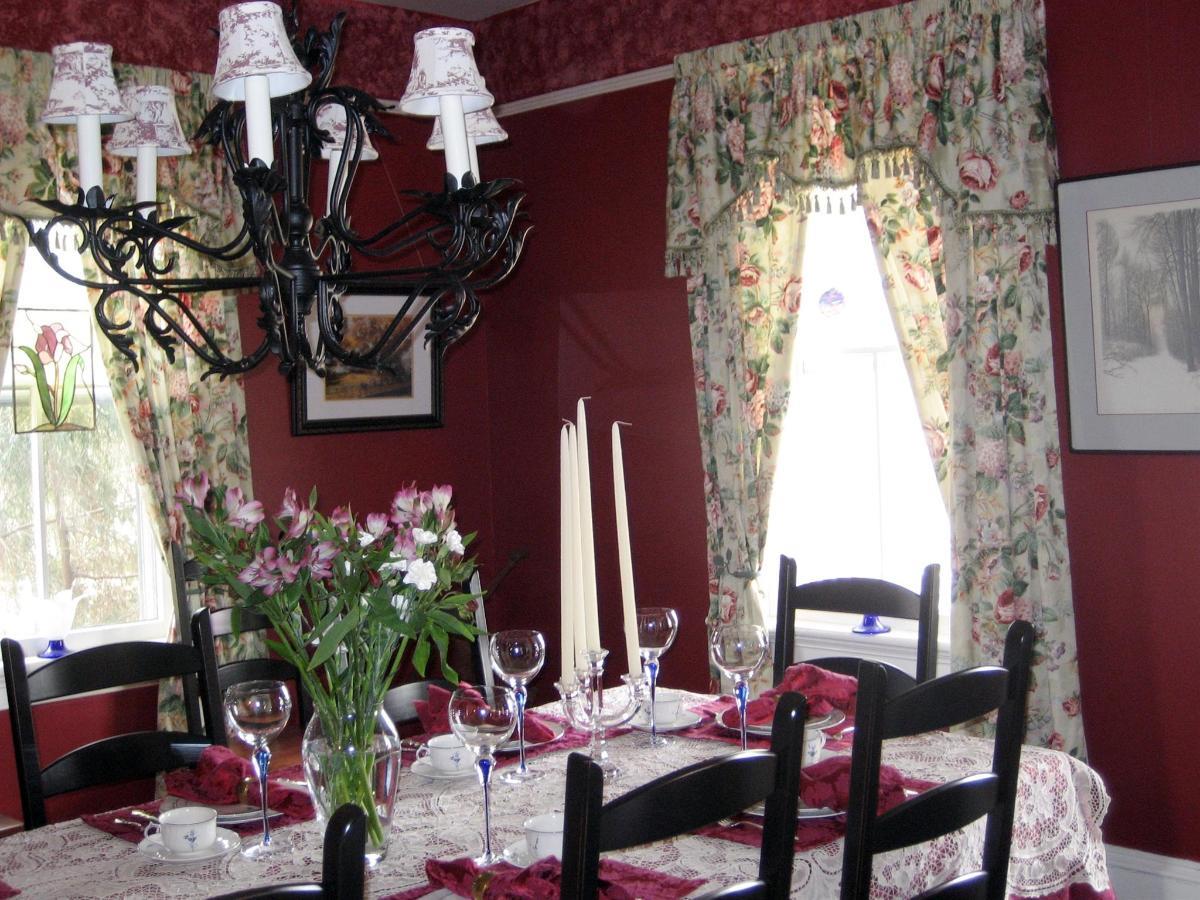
[587,543]
[577,613]
[566,555]
[624,556]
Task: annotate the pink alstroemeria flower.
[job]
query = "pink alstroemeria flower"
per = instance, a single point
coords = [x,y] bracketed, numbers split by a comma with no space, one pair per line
[193,491]
[242,514]
[404,506]
[377,525]
[341,519]
[319,560]
[263,573]
[441,495]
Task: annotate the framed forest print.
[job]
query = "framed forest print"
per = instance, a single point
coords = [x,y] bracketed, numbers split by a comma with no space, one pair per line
[1130,251]
[355,400]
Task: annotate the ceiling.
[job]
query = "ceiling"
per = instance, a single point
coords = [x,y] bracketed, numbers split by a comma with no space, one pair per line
[464,10]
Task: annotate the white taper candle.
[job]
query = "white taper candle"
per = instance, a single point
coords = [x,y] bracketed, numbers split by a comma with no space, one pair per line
[624,554]
[260,143]
[587,543]
[566,555]
[577,605]
[90,168]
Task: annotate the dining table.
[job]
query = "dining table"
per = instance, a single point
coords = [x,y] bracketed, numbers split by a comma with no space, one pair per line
[1057,850]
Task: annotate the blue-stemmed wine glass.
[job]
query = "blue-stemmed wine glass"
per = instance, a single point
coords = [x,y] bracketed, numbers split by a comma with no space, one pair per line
[738,651]
[517,657]
[256,712]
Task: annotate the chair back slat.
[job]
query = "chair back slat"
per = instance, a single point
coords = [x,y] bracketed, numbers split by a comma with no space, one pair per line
[950,700]
[112,665]
[858,596]
[946,807]
[686,799]
[946,701]
[140,754]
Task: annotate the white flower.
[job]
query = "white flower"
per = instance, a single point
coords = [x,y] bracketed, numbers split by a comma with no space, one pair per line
[364,537]
[397,563]
[454,541]
[422,537]
[421,574]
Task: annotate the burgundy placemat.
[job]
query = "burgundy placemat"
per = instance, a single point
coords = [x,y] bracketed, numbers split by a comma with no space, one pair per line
[7,890]
[618,881]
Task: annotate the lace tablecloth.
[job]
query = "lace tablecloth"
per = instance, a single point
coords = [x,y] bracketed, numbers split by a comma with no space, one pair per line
[1056,841]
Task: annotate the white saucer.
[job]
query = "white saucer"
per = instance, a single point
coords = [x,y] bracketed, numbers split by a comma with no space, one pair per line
[686,719]
[517,853]
[425,769]
[152,848]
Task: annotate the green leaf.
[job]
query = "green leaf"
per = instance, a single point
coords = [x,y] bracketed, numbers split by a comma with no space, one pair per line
[67,399]
[421,654]
[333,638]
[39,376]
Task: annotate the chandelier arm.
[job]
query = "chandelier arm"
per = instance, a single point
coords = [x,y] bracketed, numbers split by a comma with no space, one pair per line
[403,323]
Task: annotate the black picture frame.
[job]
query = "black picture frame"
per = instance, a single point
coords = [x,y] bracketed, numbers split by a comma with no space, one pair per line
[1128,335]
[349,401]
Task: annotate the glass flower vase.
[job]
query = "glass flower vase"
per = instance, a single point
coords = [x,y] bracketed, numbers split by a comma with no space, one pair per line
[359,763]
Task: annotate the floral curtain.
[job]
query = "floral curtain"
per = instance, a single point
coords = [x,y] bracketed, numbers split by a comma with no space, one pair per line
[12,255]
[743,307]
[179,424]
[939,114]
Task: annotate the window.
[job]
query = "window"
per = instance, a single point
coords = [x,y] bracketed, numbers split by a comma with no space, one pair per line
[71,518]
[854,491]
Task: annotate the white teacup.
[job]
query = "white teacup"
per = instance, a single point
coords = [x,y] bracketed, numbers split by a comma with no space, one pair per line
[544,836]
[814,742]
[666,706]
[446,753]
[185,829]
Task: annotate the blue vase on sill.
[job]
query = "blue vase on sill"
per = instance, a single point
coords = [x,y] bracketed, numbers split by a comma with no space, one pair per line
[871,625]
[56,648]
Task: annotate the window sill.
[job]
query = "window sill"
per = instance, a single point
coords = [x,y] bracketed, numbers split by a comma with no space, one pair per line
[833,638]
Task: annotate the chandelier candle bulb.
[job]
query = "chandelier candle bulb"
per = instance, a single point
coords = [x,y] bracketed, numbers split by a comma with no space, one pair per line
[147,174]
[591,612]
[90,166]
[566,585]
[624,555]
[454,132]
[260,143]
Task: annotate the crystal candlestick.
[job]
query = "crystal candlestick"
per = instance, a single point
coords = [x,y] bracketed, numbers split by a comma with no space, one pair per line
[583,703]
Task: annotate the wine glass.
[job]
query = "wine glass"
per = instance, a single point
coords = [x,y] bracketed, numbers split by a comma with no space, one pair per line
[257,711]
[517,657]
[656,630]
[483,718]
[738,650]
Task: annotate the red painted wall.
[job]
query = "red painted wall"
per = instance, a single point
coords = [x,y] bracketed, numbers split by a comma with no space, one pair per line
[1122,83]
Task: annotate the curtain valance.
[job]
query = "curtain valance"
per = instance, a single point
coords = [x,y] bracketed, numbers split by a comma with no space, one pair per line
[960,83]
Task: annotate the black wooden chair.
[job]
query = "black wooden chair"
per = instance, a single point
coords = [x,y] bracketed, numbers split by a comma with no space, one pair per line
[117,758]
[682,801]
[187,579]
[258,668]
[342,869]
[938,704]
[858,596]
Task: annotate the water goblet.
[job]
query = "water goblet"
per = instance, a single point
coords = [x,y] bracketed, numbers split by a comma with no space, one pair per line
[738,650]
[256,712]
[656,630]
[483,718]
[517,657]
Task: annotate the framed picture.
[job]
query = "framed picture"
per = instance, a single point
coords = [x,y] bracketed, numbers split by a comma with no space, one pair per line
[356,400]
[1130,250]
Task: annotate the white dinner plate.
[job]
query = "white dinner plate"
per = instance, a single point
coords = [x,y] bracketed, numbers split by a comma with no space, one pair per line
[729,720]
[686,719]
[511,745]
[227,814]
[153,848]
[802,812]
[425,769]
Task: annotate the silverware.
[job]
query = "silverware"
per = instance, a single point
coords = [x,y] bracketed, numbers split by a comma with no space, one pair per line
[142,814]
[733,823]
[120,821]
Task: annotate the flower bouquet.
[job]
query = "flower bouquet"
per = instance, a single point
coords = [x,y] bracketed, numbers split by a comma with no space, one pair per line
[347,599]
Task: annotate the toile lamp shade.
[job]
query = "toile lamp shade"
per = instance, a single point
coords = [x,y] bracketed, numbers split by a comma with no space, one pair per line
[155,123]
[444,66]
[83,85]
[482,128]
[331,118]
[254,42]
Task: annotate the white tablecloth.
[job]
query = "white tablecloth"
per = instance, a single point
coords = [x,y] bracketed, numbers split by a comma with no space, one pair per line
[1056,841]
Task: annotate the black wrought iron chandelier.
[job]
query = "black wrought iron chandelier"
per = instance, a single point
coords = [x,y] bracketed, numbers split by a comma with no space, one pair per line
[275,89]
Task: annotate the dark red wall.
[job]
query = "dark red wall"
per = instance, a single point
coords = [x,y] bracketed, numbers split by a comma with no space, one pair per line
[1122,80]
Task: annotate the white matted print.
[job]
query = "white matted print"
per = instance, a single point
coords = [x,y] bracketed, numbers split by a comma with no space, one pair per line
[356,400]
[1130,250]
